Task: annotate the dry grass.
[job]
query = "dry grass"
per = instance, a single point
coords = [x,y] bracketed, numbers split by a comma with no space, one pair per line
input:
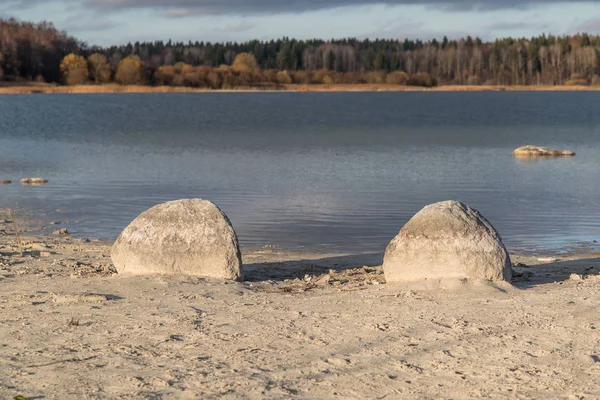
[31,88]
[110,88]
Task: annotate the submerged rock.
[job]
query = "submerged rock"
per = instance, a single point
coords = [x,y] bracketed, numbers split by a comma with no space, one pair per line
[538,151]
[447,240]
[34,181]
[188,237]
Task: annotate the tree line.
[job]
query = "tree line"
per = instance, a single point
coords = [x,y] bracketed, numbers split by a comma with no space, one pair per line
[39,52]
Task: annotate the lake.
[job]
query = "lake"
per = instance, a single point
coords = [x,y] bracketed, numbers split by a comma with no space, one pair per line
[320,171]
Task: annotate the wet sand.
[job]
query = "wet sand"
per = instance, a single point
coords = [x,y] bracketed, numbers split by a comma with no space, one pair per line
[301,326]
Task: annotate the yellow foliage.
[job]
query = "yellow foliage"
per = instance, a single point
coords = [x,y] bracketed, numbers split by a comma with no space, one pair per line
[245,62]
[99,68]
[74,69]
[129,71]
[577,80]
[188,69]
[179,67]
[397,78]
[164,75]
[327,80]
[224,68]
[283,78]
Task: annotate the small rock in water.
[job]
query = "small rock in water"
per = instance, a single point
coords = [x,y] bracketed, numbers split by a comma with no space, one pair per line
[6,182]
[539,151]
[34,181]
[62,231]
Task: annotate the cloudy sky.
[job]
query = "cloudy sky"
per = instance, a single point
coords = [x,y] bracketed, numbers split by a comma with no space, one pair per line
[120,21]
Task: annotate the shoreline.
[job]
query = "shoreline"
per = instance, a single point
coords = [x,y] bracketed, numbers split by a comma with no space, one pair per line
[33,224]
[114,88]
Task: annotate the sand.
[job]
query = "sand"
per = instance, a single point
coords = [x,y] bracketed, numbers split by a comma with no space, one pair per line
[302,326]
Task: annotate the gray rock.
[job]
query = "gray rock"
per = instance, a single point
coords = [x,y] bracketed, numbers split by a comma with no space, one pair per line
[187,237]
[447,240]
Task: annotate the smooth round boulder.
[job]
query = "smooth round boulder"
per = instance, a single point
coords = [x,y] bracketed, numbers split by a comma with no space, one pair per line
[447,240]
[183,237]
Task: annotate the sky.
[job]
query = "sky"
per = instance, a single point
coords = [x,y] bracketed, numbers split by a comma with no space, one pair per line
[105,22]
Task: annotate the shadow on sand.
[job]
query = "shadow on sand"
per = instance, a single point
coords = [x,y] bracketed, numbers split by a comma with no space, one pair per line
[258,270]
[558,271]
[525,277]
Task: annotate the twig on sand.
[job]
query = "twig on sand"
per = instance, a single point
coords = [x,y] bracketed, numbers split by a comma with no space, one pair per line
[70,360]
[16,230]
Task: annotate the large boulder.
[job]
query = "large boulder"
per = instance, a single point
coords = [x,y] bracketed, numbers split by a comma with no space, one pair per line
[188,237]
[447,240]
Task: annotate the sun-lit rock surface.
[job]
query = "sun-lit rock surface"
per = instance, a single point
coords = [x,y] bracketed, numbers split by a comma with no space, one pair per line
[186,237]
[447,240]
[539,151]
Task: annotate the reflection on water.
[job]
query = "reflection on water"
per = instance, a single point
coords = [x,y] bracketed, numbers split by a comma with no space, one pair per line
[318,170]
[539,159]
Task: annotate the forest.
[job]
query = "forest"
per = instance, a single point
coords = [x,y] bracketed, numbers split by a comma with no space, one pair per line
[38,52]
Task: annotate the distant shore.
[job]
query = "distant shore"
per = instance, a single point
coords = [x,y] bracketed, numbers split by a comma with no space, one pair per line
[367,87]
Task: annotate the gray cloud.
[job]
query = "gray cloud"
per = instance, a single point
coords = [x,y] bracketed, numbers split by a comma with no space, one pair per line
[179,8]
[90,26]
[508,26]
[520,25]
[590,25]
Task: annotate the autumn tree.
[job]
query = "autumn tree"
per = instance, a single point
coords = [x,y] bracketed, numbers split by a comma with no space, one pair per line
[397,78]
[99,68]
[129,71]
[31,51]
[577,80]
[283,78]
[422,79]
[245,62]
[74,69]
[164,75]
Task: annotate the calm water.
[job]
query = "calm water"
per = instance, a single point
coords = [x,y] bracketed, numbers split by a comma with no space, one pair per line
[338,172]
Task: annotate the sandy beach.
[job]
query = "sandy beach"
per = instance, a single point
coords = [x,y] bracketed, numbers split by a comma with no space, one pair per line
[302,325]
